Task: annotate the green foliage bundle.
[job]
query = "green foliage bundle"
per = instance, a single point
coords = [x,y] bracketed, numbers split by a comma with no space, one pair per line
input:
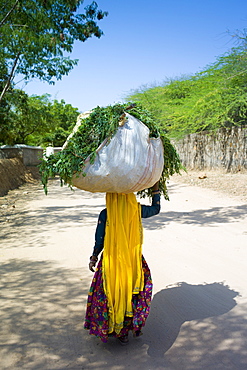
[100,125]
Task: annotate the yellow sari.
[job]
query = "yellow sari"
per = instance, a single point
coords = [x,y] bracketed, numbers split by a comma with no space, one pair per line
[122,257]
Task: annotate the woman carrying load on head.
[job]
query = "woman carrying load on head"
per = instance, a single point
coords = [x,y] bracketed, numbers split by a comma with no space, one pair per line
[120,294]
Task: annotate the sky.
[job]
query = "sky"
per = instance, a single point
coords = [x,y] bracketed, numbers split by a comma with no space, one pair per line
[144,44]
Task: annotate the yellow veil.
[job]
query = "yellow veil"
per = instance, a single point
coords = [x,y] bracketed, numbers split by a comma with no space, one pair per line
[122,264]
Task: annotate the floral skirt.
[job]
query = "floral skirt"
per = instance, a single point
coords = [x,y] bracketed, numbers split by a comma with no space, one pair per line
[96,320]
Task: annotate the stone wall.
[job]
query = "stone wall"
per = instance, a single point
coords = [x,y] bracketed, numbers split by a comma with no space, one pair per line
[226,149]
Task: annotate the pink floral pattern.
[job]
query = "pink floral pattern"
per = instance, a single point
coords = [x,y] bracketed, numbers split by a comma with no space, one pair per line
[96,320]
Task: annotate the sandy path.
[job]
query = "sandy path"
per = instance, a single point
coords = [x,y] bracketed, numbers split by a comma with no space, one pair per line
[196,249]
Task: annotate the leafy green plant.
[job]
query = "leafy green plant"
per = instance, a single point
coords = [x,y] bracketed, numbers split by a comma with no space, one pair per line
[37,37]
[100,125]
[206,101]
[35,120]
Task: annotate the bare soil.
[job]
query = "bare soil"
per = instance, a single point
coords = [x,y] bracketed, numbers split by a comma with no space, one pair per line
[232,184]
[28,185]
[13,173]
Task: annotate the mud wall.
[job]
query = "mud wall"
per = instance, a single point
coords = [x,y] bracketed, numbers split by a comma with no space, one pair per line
[13,173]
[226,149]
[29,155]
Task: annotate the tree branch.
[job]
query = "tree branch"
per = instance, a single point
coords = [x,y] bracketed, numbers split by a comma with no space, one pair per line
[8,14]
[7,85]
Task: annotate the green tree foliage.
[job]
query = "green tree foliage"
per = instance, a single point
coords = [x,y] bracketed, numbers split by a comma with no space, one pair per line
[64,117]
[36,120]
[213,98]
[101,124]
[37,35]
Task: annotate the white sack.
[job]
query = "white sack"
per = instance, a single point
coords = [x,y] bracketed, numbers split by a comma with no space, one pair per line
[131,162]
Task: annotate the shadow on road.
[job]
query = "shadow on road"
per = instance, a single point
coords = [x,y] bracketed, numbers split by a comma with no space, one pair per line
[217,334]
[200,217]
[29,224]
[42,312]
[174,306]
[189,327]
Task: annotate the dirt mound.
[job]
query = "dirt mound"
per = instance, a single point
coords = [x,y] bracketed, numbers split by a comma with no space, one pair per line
[13,173]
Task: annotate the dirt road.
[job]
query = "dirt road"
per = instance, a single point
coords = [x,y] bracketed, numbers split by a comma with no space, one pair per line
[197,252]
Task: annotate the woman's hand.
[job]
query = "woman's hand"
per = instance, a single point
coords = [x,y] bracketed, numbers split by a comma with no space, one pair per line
[155,187]
[92,263]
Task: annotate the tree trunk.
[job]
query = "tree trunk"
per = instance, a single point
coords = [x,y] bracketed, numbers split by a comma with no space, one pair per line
[11,76]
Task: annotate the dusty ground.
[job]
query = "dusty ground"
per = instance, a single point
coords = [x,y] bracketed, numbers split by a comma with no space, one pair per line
[196,250]
[233,185]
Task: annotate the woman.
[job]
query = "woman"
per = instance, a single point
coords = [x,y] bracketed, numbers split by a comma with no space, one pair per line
[120,294]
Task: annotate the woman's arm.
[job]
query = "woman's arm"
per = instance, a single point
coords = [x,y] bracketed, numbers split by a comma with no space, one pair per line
[154,209]
[99,239]
[100,233]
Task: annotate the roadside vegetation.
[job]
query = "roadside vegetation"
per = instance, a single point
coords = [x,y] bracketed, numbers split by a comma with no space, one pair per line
[36,120]
[213,98]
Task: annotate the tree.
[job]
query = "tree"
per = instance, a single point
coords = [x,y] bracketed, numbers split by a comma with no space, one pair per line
[36,120]
[37,35]
[64,117]
[213,98]
[26,116]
